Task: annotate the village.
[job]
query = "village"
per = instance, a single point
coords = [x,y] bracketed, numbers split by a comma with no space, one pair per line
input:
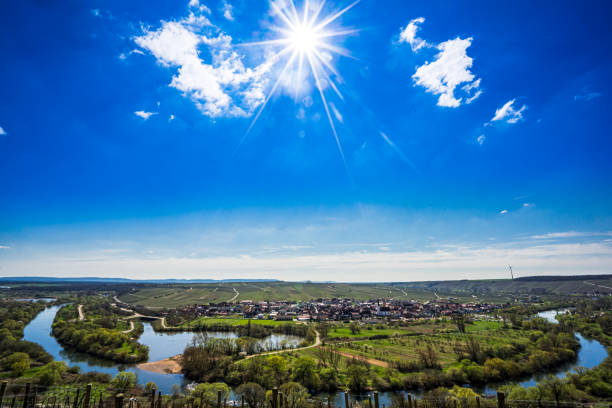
[345,309]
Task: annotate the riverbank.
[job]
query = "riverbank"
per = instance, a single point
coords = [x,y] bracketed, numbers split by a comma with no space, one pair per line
[170,365]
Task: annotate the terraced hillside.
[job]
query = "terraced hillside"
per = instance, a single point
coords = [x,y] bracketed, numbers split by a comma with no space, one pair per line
[181,294]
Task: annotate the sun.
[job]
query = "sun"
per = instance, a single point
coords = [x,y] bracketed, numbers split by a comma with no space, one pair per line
[304,39]
[306,46]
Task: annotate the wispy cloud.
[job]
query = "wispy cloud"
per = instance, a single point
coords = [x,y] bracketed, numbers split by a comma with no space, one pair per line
[587,96]
[408,35]
[2,131]
[509,113]
[503,212]
[446,262]
[228,11]
[481,139]
[570,234]
[145,115]
[4,247]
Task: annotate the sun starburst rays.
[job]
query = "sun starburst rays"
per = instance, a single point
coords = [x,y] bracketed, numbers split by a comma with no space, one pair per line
[305,41]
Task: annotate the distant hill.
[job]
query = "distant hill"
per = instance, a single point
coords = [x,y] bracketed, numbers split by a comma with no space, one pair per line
[40,279]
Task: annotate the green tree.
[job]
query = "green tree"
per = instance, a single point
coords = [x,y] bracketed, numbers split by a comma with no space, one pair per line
[209,392]
[124,381]
[556,387]
[304,372]
[253,393]
[357,376]
[18,363]
[354,328]
[275,370]
[296,396]
[51,373]
[150,386]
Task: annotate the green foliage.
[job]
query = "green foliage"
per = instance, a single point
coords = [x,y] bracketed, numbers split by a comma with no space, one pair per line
[13,318]
[149,387]
[208,393]
[295,395]
[253,393]
[357,377]
[95,337]
[18,363]
[124,381]
[51,374]
[275,371]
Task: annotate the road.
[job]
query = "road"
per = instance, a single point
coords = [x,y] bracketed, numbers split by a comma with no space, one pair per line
[235,296]
[131,327]
[81,314]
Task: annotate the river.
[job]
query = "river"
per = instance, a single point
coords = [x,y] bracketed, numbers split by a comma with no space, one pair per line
[164,345]
[161,346]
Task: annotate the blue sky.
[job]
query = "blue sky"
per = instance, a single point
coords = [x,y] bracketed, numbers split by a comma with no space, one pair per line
[182,139]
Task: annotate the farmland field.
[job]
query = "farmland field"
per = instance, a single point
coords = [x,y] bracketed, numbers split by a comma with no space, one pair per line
[175,295]
[181,294]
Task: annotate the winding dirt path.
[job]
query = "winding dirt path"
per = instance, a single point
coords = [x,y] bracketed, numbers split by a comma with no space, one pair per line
[130,329]
[81,314]
[371,361]
[235,296]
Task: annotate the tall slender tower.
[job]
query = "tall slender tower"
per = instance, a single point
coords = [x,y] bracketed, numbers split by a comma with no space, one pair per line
[511,273]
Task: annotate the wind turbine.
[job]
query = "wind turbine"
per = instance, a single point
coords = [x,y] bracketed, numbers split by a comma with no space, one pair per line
[511,273]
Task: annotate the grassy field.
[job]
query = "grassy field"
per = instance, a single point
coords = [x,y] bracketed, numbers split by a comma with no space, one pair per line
[234,321]
[505,287]
[405,348]
[181,294]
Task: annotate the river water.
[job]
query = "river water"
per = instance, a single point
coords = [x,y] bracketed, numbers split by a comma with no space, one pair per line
[161,346]
[164,345]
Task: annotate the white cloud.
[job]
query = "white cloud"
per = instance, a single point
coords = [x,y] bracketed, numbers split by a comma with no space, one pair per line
[503,212]
[508,113]
[96,12]
[2,131]
[408,35]
[4,247]
[228,11]
[196,4]
[481,139]
[171,118]
[450,69]
[570,234]
[124,56]
[144,115]
[527,205]
[447,262]
[220,87]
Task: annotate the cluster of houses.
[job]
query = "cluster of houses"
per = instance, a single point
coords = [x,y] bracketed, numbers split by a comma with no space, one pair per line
[340,309]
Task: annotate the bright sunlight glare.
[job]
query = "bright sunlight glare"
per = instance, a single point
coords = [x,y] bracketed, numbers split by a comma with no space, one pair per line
[305,44]
[304,39]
